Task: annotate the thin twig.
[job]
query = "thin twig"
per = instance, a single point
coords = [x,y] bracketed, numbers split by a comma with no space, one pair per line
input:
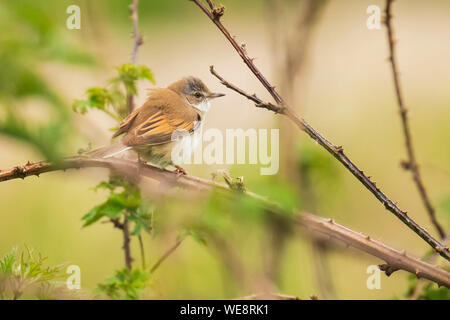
[328,228]
[141,246]
[126,243]
[336,151]
[166,255]
[211,4]
[138,41]
[124,226]
[411,164]
[258,102]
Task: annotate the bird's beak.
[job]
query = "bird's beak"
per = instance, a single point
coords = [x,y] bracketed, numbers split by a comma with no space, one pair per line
[215,95]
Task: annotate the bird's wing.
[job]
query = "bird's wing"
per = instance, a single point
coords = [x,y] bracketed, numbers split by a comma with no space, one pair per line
[157,123]
[125,125]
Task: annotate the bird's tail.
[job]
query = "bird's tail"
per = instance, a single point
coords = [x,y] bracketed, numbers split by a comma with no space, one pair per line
[110,151]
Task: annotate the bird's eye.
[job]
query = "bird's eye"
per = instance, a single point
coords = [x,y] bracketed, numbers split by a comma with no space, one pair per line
[198,95]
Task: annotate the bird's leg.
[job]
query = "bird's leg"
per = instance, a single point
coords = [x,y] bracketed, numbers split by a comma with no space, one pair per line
[180,170]
[140,163]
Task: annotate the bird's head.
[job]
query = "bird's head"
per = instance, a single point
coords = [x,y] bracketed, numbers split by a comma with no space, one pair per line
[195,91]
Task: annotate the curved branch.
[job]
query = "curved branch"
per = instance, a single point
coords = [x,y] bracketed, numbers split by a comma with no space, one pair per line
[411,164]
[317,225]
[336,151]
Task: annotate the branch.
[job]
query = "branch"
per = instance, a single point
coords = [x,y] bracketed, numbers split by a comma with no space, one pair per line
[126,239]
[258,102]
[138,41]
[336,151]
[316,225]
[395,259]
[166,255]
[411,164]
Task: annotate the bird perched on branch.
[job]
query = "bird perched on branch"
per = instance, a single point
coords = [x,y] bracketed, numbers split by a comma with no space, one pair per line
[154,129]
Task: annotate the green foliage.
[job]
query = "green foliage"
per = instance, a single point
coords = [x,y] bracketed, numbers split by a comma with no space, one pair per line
[124,201]
[129,73]
[25,273]
[33,36]
[430,291]
[112,99]
[126,284]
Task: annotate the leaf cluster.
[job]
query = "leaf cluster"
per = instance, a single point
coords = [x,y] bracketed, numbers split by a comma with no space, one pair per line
[33,36]
[26,272]
[114,98]
[126,284]
[124,202]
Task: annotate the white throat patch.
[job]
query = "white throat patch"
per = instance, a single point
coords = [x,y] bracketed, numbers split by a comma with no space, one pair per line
[203,106]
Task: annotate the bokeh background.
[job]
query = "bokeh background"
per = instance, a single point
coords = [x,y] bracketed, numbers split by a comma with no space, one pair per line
[342,85]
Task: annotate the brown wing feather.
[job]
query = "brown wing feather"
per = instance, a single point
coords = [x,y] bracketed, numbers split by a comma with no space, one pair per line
[155,122]
[126,123]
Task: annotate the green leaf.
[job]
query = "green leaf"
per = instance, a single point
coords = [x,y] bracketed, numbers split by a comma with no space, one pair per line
[141,218]
[111,209]
[7,262]
[432,293]
[125,284]
[92,216]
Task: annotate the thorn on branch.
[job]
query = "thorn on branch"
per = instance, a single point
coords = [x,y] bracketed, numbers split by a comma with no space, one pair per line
[211,4]
[406,165]
[388,269]
[20,171]
[338,149]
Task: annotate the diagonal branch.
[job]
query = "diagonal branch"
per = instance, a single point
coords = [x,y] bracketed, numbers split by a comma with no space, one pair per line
[411,164]
[166,255]
[258,102]
[337,151]
[317,225]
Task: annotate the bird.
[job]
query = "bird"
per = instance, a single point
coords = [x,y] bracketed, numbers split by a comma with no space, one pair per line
[151,129]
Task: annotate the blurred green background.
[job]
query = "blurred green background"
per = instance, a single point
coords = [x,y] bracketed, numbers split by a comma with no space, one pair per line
[343,88]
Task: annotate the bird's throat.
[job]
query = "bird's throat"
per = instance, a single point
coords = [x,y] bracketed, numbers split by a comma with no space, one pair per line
[203,106]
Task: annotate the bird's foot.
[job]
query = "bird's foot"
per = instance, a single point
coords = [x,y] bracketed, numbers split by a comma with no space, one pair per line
[140,164]
[180,171]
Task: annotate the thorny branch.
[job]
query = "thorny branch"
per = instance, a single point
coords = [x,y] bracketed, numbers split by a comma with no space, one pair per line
[337,151]
[258,102]
[411,164]
[124,227]
[317,225]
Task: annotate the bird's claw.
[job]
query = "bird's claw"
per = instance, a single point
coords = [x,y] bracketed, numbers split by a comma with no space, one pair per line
[180,171]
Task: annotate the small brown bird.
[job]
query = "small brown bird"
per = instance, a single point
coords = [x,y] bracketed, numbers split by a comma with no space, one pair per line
[150,129]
